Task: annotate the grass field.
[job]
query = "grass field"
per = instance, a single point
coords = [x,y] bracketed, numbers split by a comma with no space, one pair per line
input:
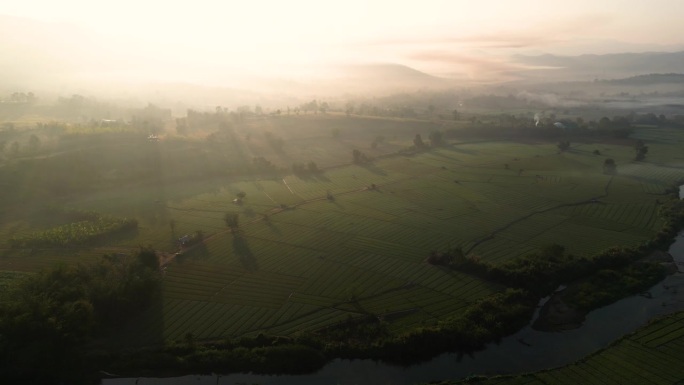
[648,356]
[314,262]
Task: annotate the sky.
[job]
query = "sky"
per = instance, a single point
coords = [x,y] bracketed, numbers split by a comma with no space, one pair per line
[218,39]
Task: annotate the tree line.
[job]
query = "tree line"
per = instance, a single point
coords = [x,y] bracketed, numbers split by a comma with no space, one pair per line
[48,319]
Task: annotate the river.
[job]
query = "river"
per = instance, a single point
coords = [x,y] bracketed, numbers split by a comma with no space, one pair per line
[527,350]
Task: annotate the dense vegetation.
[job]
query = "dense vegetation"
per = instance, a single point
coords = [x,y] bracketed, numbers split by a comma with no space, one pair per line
[48,319]
[90,231]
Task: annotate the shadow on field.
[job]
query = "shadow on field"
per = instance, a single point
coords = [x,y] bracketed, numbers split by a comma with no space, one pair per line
[142,329]
[320,177]
[198,251]
[336,203]
[374,169]
[461,150]
[274,228]
[249,212]
[242,250]
[117,237]
[313,177]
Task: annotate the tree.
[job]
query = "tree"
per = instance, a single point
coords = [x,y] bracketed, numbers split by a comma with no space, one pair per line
[241,194]
[378,139]
[418,141]
[359,157]
[298,168]
[349,108]
[14,148]
[604,123]
[641,149]
[34,142]
[436,139]
[232,221]
[313,167]
[609,167]
[563,145]
[455,114]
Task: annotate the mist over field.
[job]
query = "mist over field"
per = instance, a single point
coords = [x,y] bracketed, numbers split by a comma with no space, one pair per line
[433,190]
[274,54]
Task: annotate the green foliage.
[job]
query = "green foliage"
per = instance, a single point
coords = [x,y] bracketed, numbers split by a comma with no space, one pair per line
[359,157]
[641,150]
[607,285]
[82,232]
[437,139]
[418,141]
[232,220]
[609,167]
[47,318]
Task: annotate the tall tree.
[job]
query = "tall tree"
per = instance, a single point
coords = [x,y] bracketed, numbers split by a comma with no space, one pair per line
[641,149]
[418,141]
[609,167]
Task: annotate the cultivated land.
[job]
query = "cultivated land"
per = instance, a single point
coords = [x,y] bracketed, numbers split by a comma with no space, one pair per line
[647,356]
[301,261]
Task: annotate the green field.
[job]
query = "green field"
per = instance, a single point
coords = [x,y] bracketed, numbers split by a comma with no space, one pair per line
[302,262]
[651,355]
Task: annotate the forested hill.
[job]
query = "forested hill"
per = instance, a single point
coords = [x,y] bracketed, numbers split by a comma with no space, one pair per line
[649,79]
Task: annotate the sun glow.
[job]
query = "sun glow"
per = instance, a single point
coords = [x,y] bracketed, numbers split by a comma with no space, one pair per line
[210,40]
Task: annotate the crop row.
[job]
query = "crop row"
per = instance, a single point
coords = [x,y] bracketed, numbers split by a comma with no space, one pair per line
[383,247]
[456,285]
[338,281]
[206,319]
[531,227]
[417,273]
[641,215]
[663,174]
[501,248]
[585,241]
[247,288]
[665,332]
[312,321]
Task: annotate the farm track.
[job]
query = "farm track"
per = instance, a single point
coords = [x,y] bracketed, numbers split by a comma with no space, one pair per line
[338,306]
[530,215]
[278,210]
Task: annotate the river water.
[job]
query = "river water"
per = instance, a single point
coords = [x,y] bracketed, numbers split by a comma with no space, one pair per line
[527,350]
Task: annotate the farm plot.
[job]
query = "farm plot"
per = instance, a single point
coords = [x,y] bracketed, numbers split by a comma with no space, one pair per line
[614,215]
[316,261]
[586,241]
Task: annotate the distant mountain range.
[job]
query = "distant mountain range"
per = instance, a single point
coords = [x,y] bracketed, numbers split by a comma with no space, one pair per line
[609,66]
[650,79]
[68,59]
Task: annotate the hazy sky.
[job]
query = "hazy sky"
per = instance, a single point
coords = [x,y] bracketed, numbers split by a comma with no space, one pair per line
[291,37]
